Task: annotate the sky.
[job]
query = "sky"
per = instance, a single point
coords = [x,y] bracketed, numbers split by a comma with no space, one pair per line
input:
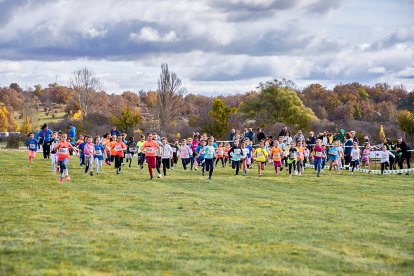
[216,47]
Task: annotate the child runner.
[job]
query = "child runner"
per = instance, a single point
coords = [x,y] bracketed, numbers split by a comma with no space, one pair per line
[292,158]
[157,154]
[318,155]
[355,157]
[62,149]
[220,154]
[141,154]
[89,152]
[31,144]
[300,156]
[226,154]
[81,150]
[131,150]
[243,158]
[209,155]
[118,151]
[365,156]
[53,155]
[149,149]
[385,158]
[261,156]
[249,147]
[184,152]
[166,154]
[277,154]
[199,158]
[194,145]
[236,153]
[174,159]
[99,154]
[334,156]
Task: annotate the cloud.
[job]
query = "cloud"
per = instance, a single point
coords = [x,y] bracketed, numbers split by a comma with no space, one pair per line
[148,34]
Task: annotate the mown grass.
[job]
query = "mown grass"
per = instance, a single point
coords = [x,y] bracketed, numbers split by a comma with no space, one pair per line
[183,224]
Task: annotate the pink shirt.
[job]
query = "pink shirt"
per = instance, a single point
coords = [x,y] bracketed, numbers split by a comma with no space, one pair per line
[184,152]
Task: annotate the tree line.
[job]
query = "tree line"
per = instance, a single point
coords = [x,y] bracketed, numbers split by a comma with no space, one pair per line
[174,111]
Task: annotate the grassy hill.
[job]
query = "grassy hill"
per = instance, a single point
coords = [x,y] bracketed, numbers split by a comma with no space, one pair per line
[183,224]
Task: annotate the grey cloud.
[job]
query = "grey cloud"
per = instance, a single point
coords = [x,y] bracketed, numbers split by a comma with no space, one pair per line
[323,6]
[7,7]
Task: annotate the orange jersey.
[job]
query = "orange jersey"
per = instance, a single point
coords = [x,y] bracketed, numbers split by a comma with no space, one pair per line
[80,141]
[219,152]
[301,153]
[118,149]
[62,149]
[150,148]
[276,154]
[111,147]
[226,152]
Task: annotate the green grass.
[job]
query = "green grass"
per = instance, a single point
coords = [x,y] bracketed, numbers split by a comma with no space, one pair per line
[40,118]
[183,224]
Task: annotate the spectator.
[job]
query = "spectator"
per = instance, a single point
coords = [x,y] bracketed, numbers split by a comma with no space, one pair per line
[45,135]
[232,134]
[402,154]
[283,132]
[354,138]
[260,135]
[72,132]
[115,131]
[251,134]
[311,141]
[299,136]
[340,136]
[348,148]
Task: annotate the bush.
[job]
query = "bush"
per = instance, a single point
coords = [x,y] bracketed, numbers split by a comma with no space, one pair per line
[13,142]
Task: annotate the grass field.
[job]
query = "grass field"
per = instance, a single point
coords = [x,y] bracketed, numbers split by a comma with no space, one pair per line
[183,224]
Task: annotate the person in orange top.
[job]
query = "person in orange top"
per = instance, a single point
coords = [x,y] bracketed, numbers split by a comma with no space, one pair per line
[117,150]
[226,153]
[277,154]
[220,154]
[80,140]
[300,157]
[105,143]
[111,149]
[62,150]
[150,148]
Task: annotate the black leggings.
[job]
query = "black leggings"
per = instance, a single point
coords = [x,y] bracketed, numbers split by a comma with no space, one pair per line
[293,164]
[141,159]
[46,150]
[158,165]
[118,162]
[401,162]
[165,165]
[185,162]
[222,161]
[208,166]
[353,165]
[236,165]
[174,160]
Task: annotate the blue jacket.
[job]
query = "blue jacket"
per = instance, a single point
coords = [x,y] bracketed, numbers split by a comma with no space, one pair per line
[348,147]
[72,133]
[46,136]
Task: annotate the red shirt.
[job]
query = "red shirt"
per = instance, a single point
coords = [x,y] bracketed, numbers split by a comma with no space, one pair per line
[118,149]
[62,149]
[150,148]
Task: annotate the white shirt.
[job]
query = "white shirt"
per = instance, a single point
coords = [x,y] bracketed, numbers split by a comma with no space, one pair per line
[166,151]
[355,154]
[385,156]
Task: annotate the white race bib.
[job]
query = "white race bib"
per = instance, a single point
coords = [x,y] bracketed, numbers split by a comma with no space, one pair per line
[98,152]
[32,146]
[276,155]
[63,151]
[237,151]
[318,153]
[220,152]
[118,148]
[150,150]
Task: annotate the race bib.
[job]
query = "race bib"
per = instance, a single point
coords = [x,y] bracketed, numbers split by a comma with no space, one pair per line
[276,155]
[237,151]
[118,148]
[259,154]
[318,154]
[98,152]
[91,148]
[131,149]
[334,153]
[220,152]
[150,150]
[32,146]
[293,155]
[210,152]
[63,151]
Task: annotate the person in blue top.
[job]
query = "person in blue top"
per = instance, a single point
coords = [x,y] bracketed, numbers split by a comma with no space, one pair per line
[333,153]
[31,144]
[81,149]
[115,131]
[209,154]
[99,154]
[45,135]
[72,132]
[199,154]
[235,152]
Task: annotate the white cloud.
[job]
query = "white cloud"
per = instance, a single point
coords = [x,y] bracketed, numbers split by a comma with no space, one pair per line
[377,70]
[7,67]
[148,34]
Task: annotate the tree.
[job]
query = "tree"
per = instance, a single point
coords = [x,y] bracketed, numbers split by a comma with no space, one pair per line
[84,82]
[382,133]
[127,120]
[170,97]
[278,104]
[406,122]
[26,127]
[7,122]
[220,115]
